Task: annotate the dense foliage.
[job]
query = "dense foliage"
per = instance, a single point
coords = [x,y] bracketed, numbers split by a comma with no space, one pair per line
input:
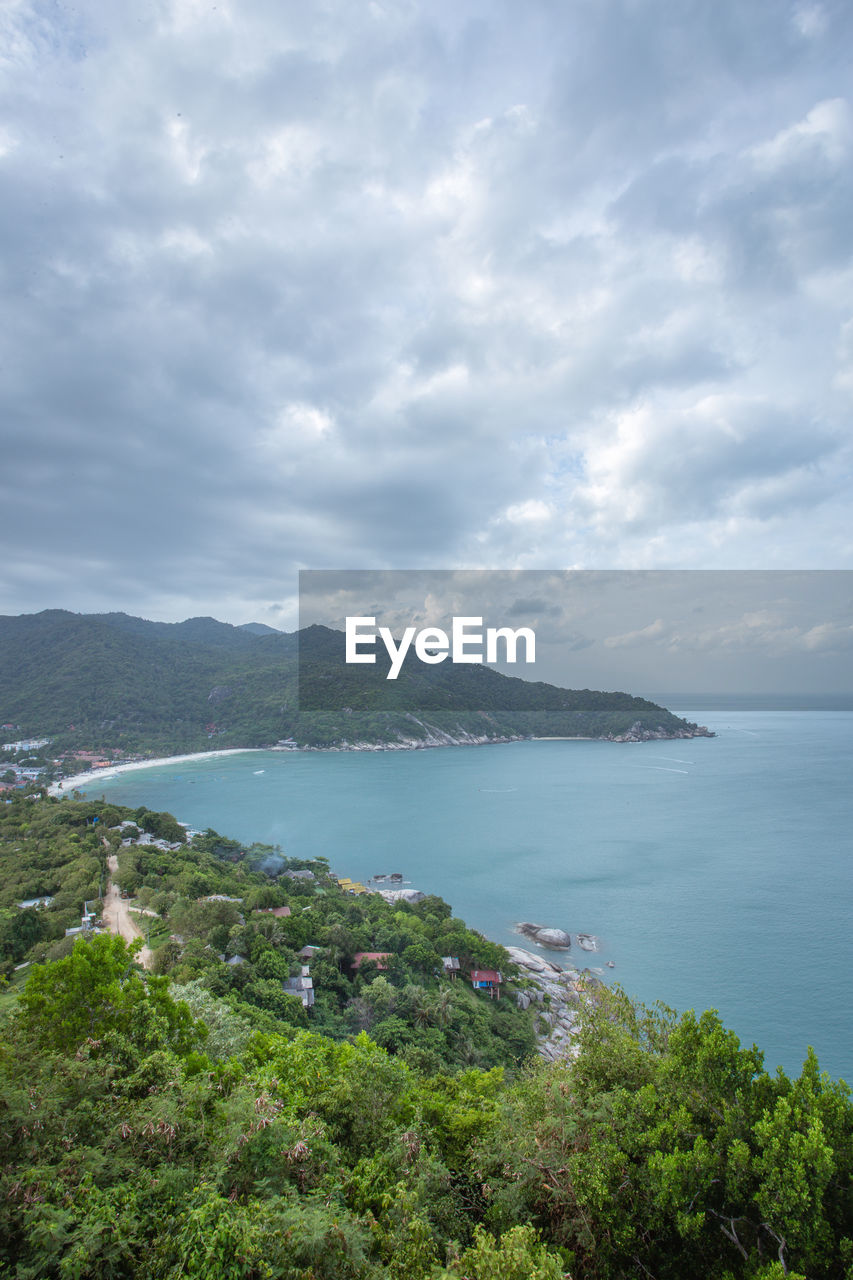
[133,1150]
[47,849]
[209,914]
[111,681]
[197,1121]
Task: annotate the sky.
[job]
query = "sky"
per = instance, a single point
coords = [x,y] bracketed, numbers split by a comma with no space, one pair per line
[408,284]
[649,631]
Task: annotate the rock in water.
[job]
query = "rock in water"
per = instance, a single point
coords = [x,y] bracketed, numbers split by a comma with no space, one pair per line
[544,936]
[554,938]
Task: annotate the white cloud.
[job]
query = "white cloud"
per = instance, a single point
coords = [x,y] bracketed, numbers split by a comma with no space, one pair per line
[652,632]
[828,636]
[810,20]
[531,512]
[826,131]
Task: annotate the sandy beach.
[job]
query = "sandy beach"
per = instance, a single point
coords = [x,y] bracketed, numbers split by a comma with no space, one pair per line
[80,781]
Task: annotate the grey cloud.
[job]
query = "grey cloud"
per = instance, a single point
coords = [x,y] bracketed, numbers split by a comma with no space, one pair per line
[384,285]
[531,607]
[721,454]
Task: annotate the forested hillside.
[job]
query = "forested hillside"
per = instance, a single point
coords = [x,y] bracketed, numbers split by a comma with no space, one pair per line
[112,681]
[198,1120]
[216,919]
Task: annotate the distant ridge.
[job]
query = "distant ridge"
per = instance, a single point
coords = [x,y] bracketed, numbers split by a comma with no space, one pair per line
[259,629]
[114,681]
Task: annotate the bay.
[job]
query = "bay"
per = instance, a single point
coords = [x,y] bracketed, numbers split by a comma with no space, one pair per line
[716,873]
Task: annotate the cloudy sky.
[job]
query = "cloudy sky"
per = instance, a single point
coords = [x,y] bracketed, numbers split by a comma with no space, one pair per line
[650,631]
[561,283]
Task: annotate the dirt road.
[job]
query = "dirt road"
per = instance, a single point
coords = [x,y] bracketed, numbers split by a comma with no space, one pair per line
[117,917]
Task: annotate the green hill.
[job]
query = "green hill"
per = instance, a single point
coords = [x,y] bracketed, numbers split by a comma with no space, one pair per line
[198,1120]
[114,681]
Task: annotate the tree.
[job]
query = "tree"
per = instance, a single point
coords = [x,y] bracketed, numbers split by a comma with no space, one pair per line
[423,958]
[518,1255]
[20,930]
[98,992]
[666,1148]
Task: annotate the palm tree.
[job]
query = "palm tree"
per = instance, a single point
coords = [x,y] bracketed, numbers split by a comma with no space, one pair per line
[441,1007]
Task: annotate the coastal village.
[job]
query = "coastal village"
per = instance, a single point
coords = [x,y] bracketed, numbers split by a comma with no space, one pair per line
[552,992]
[28,764]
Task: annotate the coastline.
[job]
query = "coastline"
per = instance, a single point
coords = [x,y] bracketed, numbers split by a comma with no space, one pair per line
[79,780]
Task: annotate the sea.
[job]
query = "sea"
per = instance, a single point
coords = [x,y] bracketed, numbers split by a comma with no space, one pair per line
[714,873]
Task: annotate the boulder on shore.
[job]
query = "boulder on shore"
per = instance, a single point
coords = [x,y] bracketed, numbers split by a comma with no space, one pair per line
[526,959]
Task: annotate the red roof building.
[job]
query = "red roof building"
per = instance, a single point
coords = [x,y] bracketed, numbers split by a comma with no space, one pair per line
[487,980]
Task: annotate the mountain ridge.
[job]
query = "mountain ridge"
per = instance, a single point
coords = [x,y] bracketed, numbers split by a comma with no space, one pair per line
[116,681]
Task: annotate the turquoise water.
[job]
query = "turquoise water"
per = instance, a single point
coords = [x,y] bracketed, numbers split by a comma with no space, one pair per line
[715,872]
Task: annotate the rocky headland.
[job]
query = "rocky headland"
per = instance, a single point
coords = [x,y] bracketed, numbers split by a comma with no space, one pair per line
[558,993]
[638,734]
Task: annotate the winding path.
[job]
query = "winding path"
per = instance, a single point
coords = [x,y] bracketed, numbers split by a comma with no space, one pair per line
[117,917]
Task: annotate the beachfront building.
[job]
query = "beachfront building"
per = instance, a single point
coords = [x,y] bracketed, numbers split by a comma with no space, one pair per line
[351,886]
[488,980]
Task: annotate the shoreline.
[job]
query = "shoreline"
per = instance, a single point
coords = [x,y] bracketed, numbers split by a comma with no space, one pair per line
[78,780]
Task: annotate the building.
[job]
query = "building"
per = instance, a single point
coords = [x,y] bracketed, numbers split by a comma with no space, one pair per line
[302,986]
[488,980]
[351,886]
